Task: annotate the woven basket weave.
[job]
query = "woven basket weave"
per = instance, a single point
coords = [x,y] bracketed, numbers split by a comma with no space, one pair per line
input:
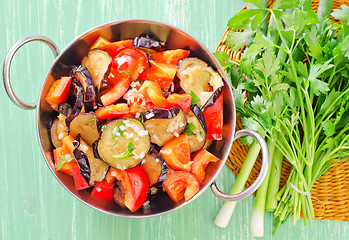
[331,191]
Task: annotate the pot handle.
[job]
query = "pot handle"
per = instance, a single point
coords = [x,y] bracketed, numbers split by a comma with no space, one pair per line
[263,172]
[7,64]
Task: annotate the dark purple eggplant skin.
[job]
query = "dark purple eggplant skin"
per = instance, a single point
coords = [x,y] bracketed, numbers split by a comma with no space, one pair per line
[77,96]
[163,175]
[82,74]
[147,42]
[213,98]
[198,114]
[95,149]
[82,160]
[65,109]
[165,93]
[164,168]
[77,93]
[160,113]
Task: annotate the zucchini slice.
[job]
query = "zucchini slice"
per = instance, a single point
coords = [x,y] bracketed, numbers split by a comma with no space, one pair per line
[124,143]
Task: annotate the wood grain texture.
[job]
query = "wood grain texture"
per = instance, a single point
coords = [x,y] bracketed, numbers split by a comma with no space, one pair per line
[33,205]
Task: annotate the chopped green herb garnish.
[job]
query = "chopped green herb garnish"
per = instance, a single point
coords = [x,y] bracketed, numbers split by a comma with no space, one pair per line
[128,153]
[64,160]
[128,74]
[189,129]
[136,183]
[119,129]
[142,118]
[103,127]
[194,99]
[113,135]
[91,120]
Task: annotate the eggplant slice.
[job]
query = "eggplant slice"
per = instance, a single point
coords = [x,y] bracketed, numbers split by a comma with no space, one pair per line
[124,143]
[83,75]
[98,63]
[163,124]
[58,130]
[93,169]
[85,124]
[196,76]
[197,133]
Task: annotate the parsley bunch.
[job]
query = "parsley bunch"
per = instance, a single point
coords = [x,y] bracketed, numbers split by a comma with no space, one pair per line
[295,73]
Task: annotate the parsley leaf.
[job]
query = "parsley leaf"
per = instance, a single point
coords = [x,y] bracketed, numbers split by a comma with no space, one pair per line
[194,99]
[91,120]
[128,153]
[189,129]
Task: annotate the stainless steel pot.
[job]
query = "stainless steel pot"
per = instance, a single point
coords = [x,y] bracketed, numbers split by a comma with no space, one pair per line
[120,30]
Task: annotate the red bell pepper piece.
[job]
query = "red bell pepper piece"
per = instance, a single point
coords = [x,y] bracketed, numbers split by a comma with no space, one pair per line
[59,92]
[134,186]
[180,100]
[153,91]
[103,191]
[214,119]
[176,153]
[200,162]
[170,56]
[161,73]
[181,184]
[101,41]
[67,167]
[79,180]
[113,111]
[140,185]
[115,48]
[119,84]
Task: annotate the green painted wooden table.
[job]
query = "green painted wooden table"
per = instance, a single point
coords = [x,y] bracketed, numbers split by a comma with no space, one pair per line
[33,205]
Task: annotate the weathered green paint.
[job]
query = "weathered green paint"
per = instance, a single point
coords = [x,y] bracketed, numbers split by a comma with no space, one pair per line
[33,205]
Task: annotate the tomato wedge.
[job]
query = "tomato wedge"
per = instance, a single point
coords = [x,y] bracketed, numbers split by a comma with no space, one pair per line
[115,92]
[176,153]
[180,100]
[214,119]
[103,191]
[170,56]
[132,187]
[113,111]
[200,162]
[140,185]
[79,181]
[59,92]
[161,73]
[131,62]
[181,184]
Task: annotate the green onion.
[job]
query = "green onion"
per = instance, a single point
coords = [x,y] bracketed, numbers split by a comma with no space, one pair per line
[224,215]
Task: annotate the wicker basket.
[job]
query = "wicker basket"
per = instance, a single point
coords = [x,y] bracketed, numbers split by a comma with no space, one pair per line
[331,191]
